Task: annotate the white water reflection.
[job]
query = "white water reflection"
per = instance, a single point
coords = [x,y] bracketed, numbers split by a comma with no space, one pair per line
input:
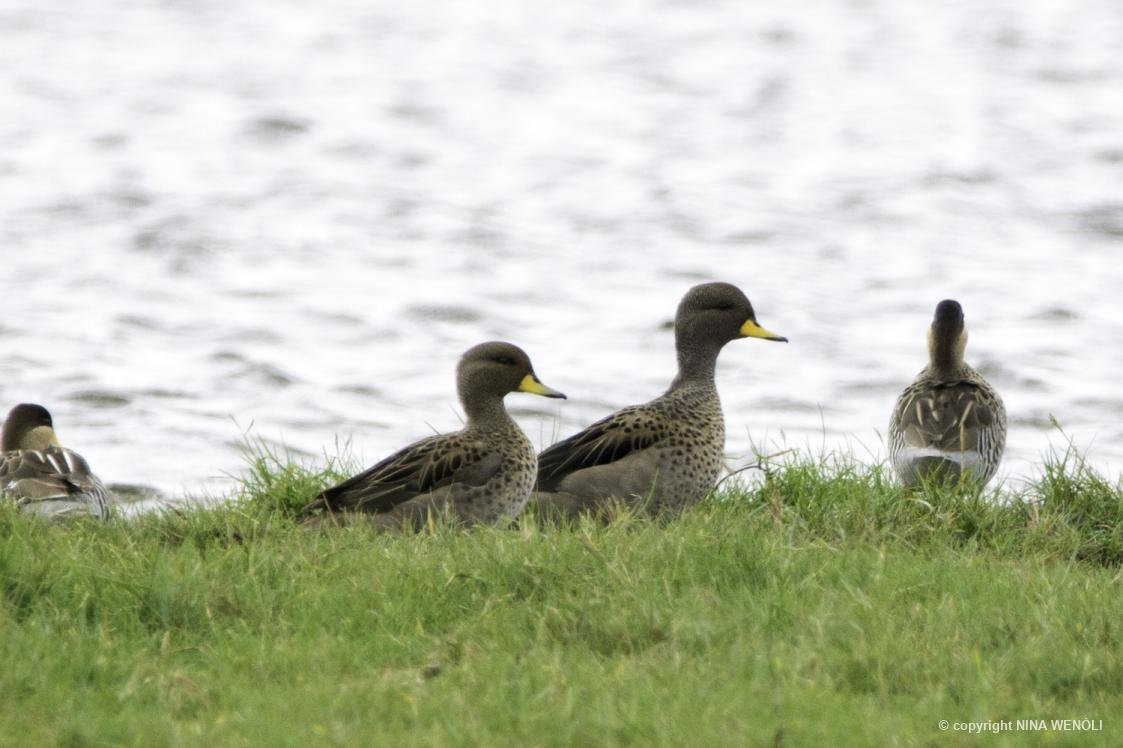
[296,217]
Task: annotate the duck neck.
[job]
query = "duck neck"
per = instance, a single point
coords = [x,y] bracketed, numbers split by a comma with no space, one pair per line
[944,365]
[697,362]
[945,355]
[486,412]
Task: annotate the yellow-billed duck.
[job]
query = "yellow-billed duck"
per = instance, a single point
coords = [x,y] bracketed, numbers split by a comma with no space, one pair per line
[481,474]
[666,454]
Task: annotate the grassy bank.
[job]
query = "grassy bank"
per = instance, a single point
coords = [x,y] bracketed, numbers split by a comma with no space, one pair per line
[820,603]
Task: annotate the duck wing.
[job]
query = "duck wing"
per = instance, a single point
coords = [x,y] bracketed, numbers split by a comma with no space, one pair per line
[53,477]
[608,440]
[421,468]
[950,416]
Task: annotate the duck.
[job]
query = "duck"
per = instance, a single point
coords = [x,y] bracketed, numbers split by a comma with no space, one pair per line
[664,455]
[481,474]
[949,423]
[41,476]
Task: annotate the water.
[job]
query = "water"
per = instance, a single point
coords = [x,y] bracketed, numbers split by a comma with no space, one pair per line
[289,220]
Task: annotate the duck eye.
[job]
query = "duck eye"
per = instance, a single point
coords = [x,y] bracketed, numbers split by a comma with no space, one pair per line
[505,360]
[724,307]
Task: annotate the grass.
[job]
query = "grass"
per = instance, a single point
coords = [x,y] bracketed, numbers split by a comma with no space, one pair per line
[819,603]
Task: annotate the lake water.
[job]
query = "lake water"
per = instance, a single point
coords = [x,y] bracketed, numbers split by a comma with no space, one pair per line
[289,219]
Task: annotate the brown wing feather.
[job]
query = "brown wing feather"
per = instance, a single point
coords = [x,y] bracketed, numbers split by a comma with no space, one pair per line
[947,415]
[418,469]
[604,442]
[54,473]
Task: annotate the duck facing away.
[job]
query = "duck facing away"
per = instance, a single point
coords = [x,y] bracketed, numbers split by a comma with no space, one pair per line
[481,474]
[43,477]
[949,423]
[666,454]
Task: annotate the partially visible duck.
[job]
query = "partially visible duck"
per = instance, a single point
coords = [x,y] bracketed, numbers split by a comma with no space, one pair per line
[42,476]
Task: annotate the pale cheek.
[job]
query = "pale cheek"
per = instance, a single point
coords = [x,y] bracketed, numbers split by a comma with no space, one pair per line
[40,438]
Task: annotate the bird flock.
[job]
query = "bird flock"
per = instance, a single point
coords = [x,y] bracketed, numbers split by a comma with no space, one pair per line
[657,458]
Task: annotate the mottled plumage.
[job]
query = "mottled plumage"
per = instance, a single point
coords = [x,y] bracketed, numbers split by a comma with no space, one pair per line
[949,420]
[481,474]
[42,477]
[666,454]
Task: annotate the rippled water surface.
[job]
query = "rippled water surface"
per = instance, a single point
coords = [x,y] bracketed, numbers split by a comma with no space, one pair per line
[292,217]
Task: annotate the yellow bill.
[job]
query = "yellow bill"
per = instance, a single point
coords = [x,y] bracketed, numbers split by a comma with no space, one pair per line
[752,330]
[534,386]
